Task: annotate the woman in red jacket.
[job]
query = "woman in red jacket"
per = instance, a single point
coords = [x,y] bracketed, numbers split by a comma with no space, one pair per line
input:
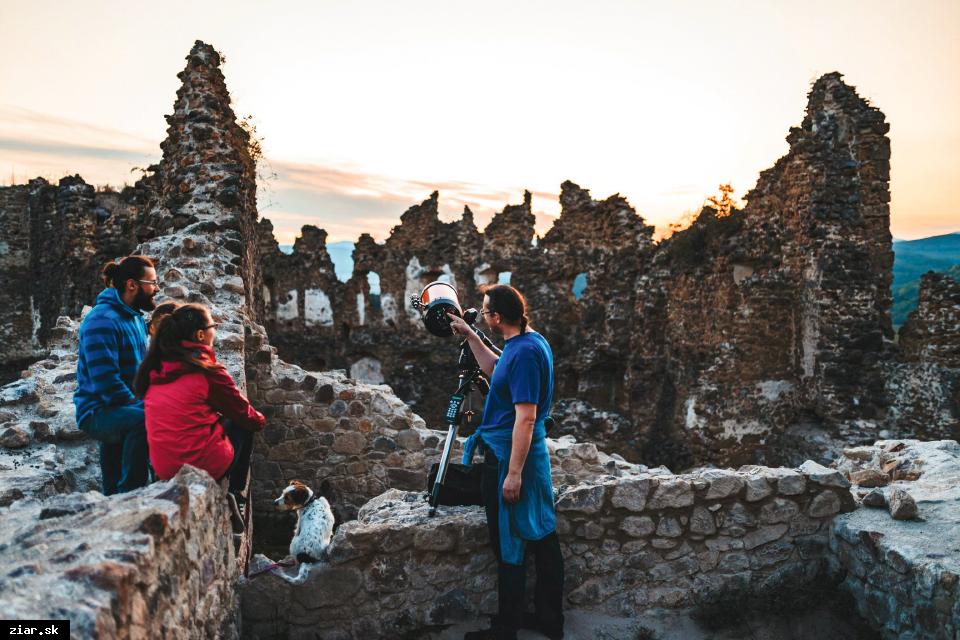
[194,412]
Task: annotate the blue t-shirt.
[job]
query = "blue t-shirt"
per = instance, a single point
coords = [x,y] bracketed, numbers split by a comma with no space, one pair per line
[523,374]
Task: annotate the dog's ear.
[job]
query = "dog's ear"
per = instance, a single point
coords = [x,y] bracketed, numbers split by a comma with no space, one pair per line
[299,495]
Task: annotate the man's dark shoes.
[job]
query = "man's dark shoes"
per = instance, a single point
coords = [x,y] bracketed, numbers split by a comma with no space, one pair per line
[494,633]
[532,623]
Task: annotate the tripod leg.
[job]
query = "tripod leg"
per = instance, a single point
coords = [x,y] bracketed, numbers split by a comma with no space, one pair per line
[442,469]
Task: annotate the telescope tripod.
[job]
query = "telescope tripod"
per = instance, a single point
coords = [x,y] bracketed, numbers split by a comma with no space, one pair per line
[470,376]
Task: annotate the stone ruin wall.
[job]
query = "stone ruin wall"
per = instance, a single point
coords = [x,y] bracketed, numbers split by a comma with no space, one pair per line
[924,387]
[55,240]
[352,442]
[635,539]
[632,542]
[154,563]
[162,561]
[761,337]
[903,574]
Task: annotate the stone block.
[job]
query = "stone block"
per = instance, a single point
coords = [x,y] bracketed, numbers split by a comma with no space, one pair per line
[824,476]
[669,527]
[763,535]
[722,483]
[671,493]
[869,478]
[410,440]
[349,443]
[875,498]
[14,438]
[758,488]
[778,510]
[637,526]
[789,481]
[632,494]
[586,451]
[902,506]
[582,499]
[826,503]
[701,521]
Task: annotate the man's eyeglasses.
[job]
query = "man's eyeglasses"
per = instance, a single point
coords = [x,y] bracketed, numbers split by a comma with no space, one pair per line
[212,326]
[155,283]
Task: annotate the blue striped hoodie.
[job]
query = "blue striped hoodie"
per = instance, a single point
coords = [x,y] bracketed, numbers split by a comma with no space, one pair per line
[113,341]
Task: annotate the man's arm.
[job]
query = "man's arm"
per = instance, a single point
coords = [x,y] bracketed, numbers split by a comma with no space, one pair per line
[486,358]
[100,344]
[522,435]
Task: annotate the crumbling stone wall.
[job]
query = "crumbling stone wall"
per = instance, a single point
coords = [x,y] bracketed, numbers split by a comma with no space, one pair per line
[351,441]
[147,569]
[759,336]
[924,386]
[321,323]
[631,543]
[903,574]
[930,332]
[55,239]
[151,563]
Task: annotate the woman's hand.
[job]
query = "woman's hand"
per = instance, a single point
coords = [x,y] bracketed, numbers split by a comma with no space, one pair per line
[459,325]
[511,487]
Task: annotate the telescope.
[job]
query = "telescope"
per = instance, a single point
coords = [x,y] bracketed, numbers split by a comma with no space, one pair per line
[434,303]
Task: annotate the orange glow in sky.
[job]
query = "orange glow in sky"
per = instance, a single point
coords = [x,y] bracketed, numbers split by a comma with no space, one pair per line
[367,107]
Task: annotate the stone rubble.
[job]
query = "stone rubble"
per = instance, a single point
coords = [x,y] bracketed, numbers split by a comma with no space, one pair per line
[903,574]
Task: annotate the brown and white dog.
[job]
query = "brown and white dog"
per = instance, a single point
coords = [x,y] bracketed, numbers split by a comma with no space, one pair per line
[314,521]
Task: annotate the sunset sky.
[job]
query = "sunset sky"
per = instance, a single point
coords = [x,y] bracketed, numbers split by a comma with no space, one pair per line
[367,107]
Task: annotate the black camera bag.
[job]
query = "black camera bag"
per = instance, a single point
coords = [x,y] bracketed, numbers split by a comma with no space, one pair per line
[461,486]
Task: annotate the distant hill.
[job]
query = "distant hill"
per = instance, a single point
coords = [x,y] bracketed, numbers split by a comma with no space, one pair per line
[912,259]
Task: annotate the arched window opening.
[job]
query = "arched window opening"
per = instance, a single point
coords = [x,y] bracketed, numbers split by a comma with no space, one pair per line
[373,279]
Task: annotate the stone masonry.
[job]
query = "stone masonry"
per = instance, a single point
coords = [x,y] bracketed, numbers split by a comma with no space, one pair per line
[631,543]
[903,574]
[154,563]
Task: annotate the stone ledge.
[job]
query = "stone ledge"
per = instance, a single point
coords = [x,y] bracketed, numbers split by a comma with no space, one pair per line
[158,560]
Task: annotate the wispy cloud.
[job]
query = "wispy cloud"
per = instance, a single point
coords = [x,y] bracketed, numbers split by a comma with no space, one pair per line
[347,202]
[38,144]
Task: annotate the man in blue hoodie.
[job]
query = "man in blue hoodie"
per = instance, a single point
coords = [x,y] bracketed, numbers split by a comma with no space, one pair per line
[113,341]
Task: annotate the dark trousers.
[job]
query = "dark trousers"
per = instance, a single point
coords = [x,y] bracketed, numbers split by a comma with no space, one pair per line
[512,579]
[242,441]
[123,446]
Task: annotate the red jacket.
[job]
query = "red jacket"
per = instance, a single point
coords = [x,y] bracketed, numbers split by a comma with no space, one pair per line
[184,409]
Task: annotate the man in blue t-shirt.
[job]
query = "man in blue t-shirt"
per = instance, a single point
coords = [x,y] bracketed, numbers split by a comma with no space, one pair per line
[517,490]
